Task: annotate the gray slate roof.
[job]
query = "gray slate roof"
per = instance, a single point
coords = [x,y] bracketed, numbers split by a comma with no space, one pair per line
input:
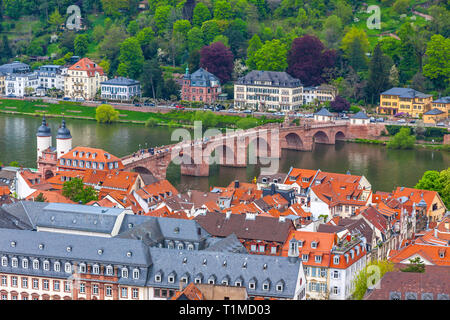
[360,115]
[201,78]
[44,130]
[14,67]
[222,265]
[324,112]
[120,81]
[405,93]
[229,244]
[442,100]
[433,112]
[276,79]
[63,132]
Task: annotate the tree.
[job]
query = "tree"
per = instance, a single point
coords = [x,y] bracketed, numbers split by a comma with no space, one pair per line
[415,265]
[344,11]
[77,192]
[402,140]
[145,36]
[222,10]
[5,50]
[182,27]
[307,60]
[55,19]
[369,276]
[339,104]
[106,113]
[437,181]
[218,60]
[161,17]
[272,56]
[152,78]
[40,198]
[378,74]
[355,44]
[223,39]
[400,6]
[133,27]
[393,76]
[112,7]
[131,58]
[81,44]
[332,30]
[437,67]
[201,14]
[237,34]
[210,30]
[195,39]
[253,46]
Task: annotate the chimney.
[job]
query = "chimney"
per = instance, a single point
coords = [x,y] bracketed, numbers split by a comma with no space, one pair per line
[236,184]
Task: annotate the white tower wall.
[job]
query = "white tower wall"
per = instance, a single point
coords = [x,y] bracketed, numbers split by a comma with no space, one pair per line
[42,144]
[63,146]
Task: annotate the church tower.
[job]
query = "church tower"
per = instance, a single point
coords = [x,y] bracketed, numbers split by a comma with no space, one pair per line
[44,138]
[63,140]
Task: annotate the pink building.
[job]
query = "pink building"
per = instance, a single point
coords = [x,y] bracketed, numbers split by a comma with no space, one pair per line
[200,86]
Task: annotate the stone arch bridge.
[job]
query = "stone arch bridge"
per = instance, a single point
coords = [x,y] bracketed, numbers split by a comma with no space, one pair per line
[242,147]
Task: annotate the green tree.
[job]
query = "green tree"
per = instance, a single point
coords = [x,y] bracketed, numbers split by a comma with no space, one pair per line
[131,57]
[394,76]
[253,46]
[106,113]
[369,276]
[210,30]
[437,67]
[208,118]
[81,44]
[201,14]
[40,198]
[437,181]
[133,27]
[98,33]
[77,192]
[145,36]
[222,10]
[332,30]
[223,39]
[402,140]
[112,7]
[344,11]
[14,164]
[378,74]
[272,56]
[401,6]
[415,265]
[195,39]
[355,45]
[55,19]
[182,27]
[161,17]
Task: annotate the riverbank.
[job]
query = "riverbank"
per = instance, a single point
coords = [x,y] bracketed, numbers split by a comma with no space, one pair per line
[417,145]
[74,110]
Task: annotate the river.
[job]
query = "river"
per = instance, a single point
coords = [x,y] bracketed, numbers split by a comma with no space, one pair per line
[384,168]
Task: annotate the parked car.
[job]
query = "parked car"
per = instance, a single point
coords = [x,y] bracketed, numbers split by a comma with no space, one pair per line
[79,99]
[68,99]
[149,104]
[401,121]
[179,107]
[344,117]
[412,121]
[137,104]
[247,111]
[380,119]
[232,111]
[440,124]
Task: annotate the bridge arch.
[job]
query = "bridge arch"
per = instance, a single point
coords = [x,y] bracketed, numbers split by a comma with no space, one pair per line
[339,135]
[320,137]
[293,141]
[222,154]
[142,169]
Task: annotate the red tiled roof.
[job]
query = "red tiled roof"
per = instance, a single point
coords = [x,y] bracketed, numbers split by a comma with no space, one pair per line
[50,196]
[88,65]
[428,252]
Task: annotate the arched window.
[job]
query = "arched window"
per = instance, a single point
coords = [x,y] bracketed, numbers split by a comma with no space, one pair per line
[136,274]
[35,264]
[57,266]
[124,273]
[68,267]
[95,269]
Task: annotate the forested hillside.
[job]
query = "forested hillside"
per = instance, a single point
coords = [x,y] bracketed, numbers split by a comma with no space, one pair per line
[317,41]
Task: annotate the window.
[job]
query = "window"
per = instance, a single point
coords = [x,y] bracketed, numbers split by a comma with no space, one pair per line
[135,274]
[24,282]
[56,285]
[323,272]
[335,290]
[304,257]
[95,289]
[35,264]
[279,287]
[4,281]
[124,273]
[335,274]
[35,284]
[124,292]
[108,291]
[82,268]
[318,259]
[45,284]
[171,279]
[14,262]
[135,293]
[253,247]
[4,261]
[261,248]
[14,281]
[66,286]
[82,287]
[336,260]
[273,250]
[314,244]
[95,269]
[158,278]
[68,267]
[109,270]
[323,287]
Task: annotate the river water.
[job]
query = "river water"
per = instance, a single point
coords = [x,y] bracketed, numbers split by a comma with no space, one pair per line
[384,168]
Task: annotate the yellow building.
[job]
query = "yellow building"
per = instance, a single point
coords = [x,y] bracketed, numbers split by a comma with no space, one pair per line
[83,80]
[405,101]
[2,83]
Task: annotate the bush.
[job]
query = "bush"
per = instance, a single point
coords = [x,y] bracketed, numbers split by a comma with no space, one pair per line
[151,122]
[106,113]
[402,140]
[355,109]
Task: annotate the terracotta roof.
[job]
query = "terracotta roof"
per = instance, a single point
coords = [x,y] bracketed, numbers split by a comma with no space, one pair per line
[88,65]
[90,154]
[414,196]
[50,196]
[157,191]
[431,253]
[296,175]
[4,190]
[191,292]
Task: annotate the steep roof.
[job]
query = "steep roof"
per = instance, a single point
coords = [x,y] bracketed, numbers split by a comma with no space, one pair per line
[431,253]
[323,112]
[405,93]
[360,115]
[274,78]
[433,112]
[88,65]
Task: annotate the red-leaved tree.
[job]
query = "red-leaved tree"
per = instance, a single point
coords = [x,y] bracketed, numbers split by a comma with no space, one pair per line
[340,104]
[217,59]
[308,59]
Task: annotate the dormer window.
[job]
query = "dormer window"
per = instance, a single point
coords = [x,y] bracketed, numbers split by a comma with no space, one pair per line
[82,268]
[4,261]
[25,263]
[318,259]
[336,260]
[314,244]
[68,267]
[57,266]
[95,269]
[279,287]
[46,265]
[300,243]
[124,273]
[305,257]
[109,270]
[252,285]
[158,277]
[266,286]
[14,262]
[136,274]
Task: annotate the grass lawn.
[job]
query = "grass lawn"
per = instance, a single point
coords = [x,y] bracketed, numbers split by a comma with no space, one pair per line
[75,110]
